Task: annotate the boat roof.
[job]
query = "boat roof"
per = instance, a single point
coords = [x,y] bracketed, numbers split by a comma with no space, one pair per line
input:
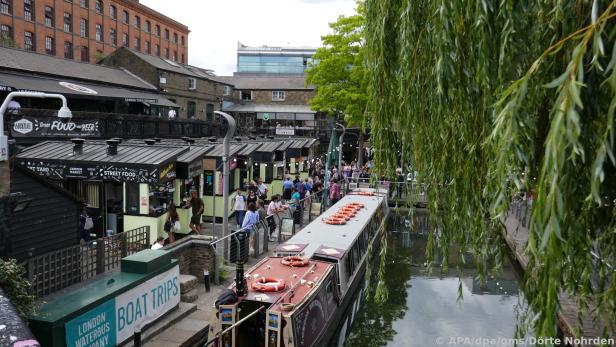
[295,291]
[329,240]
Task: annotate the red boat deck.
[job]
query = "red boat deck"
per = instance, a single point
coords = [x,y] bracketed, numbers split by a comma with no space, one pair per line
[299,281]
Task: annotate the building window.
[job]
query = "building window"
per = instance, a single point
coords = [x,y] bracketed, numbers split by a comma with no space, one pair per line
[148,47]
[183,62]
[166,53]
[175,55]
[99,7]
[209,112]
[226,91]
[125,17]
[166,37]
[99,33]
[157,50]
[84,4]
[113,12]
[29,10]
[246,95]
[192,83]
[50,45]
[68,22]
[148,26]
[125,39]
[182,40]
[49,16]
[5,6]
[191,107]
[68,50]
[28,41]
[83,27]
[175,38]
[84,54]
[137,44]
[6,33]
[137,22]
[113,37]
[157,30]
[278,95]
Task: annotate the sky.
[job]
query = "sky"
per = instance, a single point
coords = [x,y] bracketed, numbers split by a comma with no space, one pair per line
[216,26]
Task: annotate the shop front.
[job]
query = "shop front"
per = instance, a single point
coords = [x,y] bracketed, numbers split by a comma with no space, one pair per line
[213,179]
[125,186]
[265,166]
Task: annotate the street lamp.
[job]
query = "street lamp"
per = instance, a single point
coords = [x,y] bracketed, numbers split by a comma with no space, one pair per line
[63,113]
[340,144]
[225,172]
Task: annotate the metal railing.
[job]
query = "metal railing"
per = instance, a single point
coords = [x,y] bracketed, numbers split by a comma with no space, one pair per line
[54,271]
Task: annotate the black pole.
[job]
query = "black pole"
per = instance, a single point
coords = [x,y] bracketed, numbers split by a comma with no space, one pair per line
[206,280]
[137,338]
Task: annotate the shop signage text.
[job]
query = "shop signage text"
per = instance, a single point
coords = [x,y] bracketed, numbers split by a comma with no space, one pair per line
[167,172]
[285,131]
[43,127]
[100,172]
[115,321]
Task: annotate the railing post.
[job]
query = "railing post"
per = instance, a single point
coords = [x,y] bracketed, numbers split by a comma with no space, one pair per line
[100,256]
[123,239]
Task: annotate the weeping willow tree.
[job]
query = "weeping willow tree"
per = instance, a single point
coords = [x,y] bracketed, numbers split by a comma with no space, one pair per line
[494,97]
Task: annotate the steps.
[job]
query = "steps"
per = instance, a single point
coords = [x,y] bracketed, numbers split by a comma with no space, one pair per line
[188,288]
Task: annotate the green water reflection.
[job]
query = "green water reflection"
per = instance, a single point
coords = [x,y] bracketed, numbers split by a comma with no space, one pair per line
[421,309]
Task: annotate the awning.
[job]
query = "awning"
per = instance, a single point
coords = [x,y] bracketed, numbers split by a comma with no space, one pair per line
[218,150]
[249,149]
[14,82]
[265,152]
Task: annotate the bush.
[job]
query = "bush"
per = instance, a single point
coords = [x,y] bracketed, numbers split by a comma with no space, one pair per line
[14,283]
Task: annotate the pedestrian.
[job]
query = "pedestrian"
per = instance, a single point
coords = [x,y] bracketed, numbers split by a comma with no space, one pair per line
[160,242]
[295,198]
[13,107]
[286,189]
[251,218]
[307,185]
[86,224]
[172,223]
[171,114]
[239,206]
[334,191]
[262,189]
[399,183]
[251,198]
[196,203]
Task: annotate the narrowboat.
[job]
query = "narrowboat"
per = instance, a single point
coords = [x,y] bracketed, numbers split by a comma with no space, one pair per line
[308,292]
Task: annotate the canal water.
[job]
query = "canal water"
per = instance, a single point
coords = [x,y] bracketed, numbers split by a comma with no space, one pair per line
[422,308]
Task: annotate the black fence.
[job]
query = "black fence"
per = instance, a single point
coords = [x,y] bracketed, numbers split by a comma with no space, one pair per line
[53,271]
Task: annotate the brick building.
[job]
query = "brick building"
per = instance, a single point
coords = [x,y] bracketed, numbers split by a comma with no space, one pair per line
[87,30]
[197,91]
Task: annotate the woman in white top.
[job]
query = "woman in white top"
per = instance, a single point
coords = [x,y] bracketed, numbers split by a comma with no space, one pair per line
[239,207]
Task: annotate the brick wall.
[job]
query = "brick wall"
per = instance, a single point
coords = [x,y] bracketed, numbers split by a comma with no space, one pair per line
[194,254]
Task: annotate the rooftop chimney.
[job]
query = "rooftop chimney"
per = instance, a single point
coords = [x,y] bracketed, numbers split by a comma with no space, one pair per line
[112,146]
[188,140]
[77,146]
[157,139]
[117,139]
[271,137]
[150,142]
[212,139]
[237,138]
[252,137]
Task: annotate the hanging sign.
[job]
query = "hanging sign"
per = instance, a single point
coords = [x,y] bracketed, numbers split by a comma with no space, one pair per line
[47,126]
[96,172]
[167,172]
[116,320]
[285,131]
[77,88]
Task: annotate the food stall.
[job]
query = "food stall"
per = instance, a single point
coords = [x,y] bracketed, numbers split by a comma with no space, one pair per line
[212,179]
[145,174]
[265,166]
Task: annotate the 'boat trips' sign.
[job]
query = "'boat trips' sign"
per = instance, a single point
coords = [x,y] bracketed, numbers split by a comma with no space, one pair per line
[116,320]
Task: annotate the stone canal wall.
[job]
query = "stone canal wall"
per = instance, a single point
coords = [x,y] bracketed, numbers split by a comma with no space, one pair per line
[194,254]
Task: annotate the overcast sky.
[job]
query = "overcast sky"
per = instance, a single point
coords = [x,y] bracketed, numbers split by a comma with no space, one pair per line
[217,25]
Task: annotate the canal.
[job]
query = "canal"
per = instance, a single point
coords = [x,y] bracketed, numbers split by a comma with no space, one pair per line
[422,308]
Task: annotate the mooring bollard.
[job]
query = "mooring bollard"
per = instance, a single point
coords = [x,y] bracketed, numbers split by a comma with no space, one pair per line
[137,337]
[206,280]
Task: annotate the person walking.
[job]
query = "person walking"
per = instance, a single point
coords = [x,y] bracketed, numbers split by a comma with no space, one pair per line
[172,223]
[196,203]
[86,224]
[334,191]
[286,189]
[239,206]
[251,218]
[262,189]
[251,198]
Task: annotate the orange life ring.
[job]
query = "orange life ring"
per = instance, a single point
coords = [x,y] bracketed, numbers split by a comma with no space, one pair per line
[268,284]
[335,221]
[360,205]
[341,216]
[295,261]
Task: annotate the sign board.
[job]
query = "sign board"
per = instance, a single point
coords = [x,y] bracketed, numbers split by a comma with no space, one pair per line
[285,131]
[95,171]
[266,116]
[78,88]
[209,164]
[115,321]
[46,126]
[195,168]
[167,172]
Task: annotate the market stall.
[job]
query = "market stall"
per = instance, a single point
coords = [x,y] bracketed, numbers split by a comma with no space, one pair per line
[212,179]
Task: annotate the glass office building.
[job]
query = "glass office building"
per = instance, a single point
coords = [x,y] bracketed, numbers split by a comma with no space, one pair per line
[273,60]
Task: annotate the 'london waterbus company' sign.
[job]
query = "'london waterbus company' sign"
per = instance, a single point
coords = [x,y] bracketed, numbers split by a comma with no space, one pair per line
[116,320]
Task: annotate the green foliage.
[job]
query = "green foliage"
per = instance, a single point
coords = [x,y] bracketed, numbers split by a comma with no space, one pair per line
[339,75]
[14,283]
[489,98]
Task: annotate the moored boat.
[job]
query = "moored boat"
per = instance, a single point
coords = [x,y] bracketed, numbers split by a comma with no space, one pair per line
[308,292]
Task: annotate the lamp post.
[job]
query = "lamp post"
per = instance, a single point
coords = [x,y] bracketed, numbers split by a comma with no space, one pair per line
[225,174]
[64,113]
[340,150]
